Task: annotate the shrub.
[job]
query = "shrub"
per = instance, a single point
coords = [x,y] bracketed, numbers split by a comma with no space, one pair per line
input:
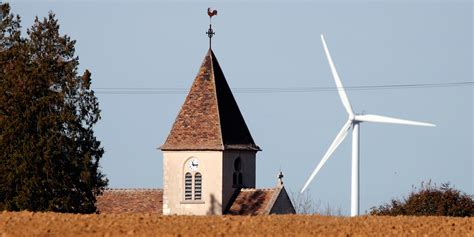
[430,200]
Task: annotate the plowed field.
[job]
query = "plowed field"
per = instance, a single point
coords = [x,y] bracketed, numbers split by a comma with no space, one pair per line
[54,224]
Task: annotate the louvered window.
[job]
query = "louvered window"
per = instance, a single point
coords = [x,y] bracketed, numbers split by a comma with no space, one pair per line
[237,177]
[188,181]
[197,186]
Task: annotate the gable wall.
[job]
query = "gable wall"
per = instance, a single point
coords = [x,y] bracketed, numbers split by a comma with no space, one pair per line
[283,204]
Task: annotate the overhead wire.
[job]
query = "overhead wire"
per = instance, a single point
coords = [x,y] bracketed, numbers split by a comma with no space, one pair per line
[269,90]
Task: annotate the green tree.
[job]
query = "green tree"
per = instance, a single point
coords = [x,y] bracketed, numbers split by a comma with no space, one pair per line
[430,200]
[49,156]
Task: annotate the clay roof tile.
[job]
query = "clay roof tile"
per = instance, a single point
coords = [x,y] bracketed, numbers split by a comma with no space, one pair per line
[210,118]
[253,202]
[130,201]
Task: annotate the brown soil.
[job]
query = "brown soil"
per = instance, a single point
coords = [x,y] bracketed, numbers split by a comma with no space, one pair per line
[54,224]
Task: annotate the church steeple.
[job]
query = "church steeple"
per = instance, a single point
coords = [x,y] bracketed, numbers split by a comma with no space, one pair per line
[210,118]
[209,156]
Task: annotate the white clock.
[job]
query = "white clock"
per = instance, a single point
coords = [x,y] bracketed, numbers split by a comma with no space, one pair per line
[193,164]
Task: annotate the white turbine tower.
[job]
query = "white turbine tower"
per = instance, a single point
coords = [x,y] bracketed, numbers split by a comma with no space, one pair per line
[353,121]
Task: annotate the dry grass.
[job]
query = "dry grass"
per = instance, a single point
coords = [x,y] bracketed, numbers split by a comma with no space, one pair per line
[54,224]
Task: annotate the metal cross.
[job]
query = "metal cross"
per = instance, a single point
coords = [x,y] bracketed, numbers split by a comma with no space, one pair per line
[210,33]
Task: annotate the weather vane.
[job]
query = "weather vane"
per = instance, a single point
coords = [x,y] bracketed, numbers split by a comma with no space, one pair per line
[211,12]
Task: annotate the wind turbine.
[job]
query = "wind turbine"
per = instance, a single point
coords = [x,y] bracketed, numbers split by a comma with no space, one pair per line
[353,122]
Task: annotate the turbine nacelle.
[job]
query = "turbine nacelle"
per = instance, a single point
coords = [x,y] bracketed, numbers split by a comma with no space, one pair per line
[354,118]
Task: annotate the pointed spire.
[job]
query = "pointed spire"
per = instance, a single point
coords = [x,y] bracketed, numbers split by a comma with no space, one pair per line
[210,118]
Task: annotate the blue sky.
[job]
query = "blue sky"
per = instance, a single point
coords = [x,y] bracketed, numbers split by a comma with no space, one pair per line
[160,44]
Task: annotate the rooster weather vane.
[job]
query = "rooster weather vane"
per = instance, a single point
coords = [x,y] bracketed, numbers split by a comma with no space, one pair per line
[211,12]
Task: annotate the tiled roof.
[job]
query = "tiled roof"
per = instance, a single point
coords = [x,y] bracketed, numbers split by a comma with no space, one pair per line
[210,118]
[254,201]
[130,201]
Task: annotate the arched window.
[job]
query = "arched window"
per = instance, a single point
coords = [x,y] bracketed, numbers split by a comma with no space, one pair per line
[237,164]
[197,186]
[188,181]
[237,177]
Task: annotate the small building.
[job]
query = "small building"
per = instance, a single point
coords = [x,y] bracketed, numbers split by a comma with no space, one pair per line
[251,201]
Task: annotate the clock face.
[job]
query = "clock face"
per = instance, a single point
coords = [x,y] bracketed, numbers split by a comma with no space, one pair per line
[193,164]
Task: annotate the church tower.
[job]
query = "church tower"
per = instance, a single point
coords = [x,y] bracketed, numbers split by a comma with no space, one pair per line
[209,154]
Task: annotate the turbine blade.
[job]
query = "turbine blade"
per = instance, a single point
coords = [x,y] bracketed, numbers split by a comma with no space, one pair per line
[384,119]
[340,87]
[339,138]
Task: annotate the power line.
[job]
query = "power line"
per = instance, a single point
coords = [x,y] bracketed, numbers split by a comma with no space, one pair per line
[268,90]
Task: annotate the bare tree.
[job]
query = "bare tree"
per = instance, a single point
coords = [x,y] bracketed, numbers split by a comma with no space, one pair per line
[305,204]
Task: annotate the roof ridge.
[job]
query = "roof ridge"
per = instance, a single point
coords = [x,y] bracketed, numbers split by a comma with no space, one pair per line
[133,189]
[259,189]
[248,189]
[211,53]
